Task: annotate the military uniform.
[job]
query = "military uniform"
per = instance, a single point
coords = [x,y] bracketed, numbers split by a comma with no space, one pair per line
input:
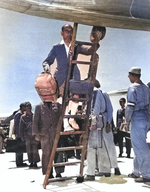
[137,113]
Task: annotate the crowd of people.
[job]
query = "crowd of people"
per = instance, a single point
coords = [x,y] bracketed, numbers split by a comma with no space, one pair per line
[41,126]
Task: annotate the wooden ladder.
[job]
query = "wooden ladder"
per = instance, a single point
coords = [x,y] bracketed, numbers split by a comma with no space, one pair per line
[85,104]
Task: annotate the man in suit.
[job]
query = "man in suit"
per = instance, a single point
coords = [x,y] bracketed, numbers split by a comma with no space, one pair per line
[26,123]
[19,155]
[122,134]
[60,52]
[45,121]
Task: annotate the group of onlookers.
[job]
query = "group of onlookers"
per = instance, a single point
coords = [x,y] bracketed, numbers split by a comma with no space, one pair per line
[21,126]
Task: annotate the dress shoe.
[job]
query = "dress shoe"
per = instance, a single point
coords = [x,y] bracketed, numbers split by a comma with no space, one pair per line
[89,178]
[131,175]
[117,171]
[141,180]
[120,155]
[73,124]
[107,174]
[51,176]
[58,175]
[31,165]
[35,165]
[128,156]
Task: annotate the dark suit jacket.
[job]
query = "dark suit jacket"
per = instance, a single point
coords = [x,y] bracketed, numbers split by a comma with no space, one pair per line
[45,119]
[58,51]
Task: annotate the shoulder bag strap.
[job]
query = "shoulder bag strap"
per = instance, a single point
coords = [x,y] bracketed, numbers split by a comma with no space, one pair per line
[94,99]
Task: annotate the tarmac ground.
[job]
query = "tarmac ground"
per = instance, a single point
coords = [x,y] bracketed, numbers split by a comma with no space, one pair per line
[25,179]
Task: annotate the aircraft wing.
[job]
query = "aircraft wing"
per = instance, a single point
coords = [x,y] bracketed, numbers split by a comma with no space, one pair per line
[118,92]
[126,14]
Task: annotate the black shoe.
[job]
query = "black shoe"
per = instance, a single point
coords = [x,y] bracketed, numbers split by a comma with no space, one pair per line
[35,165]
[120,155]
[131,175]
[128,156]
[89,178]
[31,165]
[107,174]
[117,171]
[77,157]
[51,176]
[58,175]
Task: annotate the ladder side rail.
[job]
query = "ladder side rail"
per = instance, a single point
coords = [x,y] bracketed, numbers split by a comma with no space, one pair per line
[93,67]
[85,138]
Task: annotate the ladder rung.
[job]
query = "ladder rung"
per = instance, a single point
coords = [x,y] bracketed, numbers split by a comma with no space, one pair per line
[72,133]
[60,179]
[70,148]
[83,43]
[81,62]
[77,99]
[75,116]
[66,163]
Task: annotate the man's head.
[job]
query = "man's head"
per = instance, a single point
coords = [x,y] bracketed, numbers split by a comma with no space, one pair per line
[134,74]
[122,102]
[66,33]
[97,84]
[28,106]
[14,113]
[97,34]
[22,107]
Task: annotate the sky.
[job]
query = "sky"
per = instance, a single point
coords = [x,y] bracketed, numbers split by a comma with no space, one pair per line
[26,41]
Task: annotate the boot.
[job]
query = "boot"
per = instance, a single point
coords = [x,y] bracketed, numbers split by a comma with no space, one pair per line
[117,171]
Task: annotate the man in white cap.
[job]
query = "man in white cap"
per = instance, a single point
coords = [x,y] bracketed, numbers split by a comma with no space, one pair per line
[136,113]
